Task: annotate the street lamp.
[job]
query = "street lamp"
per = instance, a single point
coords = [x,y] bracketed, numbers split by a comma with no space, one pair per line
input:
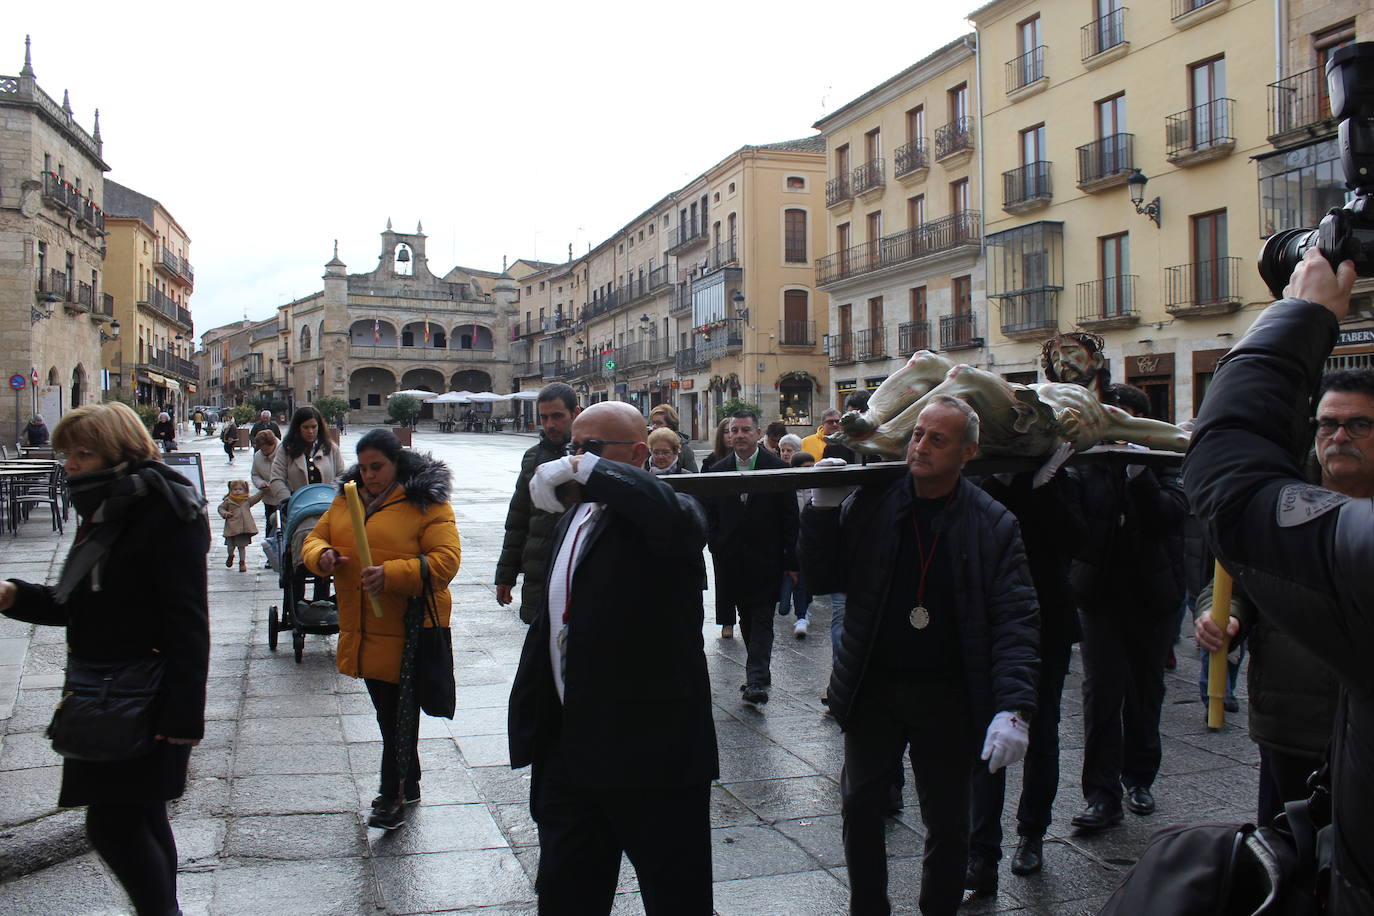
[1136,185]
[114,332]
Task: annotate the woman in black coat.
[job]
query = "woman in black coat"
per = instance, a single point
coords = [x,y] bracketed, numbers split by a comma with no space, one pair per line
[165,432]
[136,514]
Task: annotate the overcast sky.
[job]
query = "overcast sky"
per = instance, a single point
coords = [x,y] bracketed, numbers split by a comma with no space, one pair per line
[510,129]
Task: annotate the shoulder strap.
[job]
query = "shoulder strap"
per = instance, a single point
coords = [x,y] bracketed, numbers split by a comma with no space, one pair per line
[427,591]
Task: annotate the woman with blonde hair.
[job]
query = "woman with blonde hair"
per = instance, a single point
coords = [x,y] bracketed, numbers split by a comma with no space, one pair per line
[136,515]
[664,417]
[665,450]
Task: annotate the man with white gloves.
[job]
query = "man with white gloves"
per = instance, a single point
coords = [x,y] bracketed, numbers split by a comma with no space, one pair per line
[939,648]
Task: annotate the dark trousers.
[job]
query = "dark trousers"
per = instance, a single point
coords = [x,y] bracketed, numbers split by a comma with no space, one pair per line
[1282,778]
[756,626]
[666,832]
[1123,690]
[229,449]
[270,514]
[136,842]
[298,575]
[937,722]
[793,594]
[1040,774]
[386,700]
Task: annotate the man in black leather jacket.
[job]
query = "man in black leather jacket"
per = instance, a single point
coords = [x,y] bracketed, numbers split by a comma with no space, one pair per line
[1303,552]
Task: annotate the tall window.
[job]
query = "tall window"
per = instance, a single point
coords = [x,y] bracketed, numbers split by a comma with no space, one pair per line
[1036,178]
[916,211]
[958,102]
[1210,277]
[958,196]
[794,305]
[917,296]
[305,340]
[1114,265]
[1029,62]
[916,123]
[875,313]
[794,232]
[1326,43]
[962,294]
[874,222]
[873,144]
[842,160]
[1207,87]
[1108,26]
[1110,116]
[842,237]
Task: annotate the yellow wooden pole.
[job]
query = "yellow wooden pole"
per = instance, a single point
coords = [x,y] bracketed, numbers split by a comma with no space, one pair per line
[355,511]
[1216,665]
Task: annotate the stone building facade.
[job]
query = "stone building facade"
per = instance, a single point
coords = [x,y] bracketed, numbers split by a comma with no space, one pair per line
[52,242]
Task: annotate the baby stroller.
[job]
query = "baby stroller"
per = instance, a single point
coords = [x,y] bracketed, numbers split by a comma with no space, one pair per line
[298,517]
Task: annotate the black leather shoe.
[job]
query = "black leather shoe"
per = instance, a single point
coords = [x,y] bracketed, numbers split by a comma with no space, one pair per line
[389,816]
[981,877]
[1140,801]
[1029,856]
[755,693]
[1096,817]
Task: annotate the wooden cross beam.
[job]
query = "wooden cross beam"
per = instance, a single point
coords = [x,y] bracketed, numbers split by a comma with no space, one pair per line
[724,483]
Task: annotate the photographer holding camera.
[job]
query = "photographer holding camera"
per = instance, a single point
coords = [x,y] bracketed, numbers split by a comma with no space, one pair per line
[1302,551]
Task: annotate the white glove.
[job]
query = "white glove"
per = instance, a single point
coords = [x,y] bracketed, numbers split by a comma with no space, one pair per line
[547,478]
[829,497]
[1007,740]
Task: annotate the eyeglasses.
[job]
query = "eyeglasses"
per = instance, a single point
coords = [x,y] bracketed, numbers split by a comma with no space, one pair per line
[594,446]
[662,452]
[1355,427]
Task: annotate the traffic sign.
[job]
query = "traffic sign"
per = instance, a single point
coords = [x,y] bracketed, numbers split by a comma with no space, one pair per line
[18,381]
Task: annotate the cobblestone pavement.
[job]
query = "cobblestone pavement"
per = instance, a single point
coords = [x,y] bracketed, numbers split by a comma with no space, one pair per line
[273,822]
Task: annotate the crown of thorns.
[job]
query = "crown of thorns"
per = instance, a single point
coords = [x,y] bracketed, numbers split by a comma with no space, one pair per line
[1093,343]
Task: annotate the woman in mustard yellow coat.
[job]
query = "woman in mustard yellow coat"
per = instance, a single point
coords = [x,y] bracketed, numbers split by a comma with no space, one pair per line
[405,497]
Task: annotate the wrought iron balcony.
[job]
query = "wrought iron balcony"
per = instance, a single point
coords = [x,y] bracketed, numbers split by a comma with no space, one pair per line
[1026,69]
[421,354]
[601,306]
[913,336]
[958,332]
[1107,303]
[954,137]
[106,305]
[1106,162]
[909,157]
[840,348]
[797,333]
[1030,313]
[1203,288]
[175,266]
[838,190]
[870,343]
[867,177]
[53,284]
[85,295]
[1103,33]
[942,235]
[686,236]
[722,255]
[551,368]
[1200,133]
[682,302]
[1300,103]
[165,304]
[645,285]
[175,365]
[1026,188]
[524,368]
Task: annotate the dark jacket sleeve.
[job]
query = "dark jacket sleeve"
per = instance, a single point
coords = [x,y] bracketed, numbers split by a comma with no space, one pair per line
[818,551]
[1300,552]
[1013,621]
[36,604]
[668,521]
[517,522]
[183,606]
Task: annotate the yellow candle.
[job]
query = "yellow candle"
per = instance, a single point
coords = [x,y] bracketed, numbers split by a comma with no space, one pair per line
[1216,667]
[355,510]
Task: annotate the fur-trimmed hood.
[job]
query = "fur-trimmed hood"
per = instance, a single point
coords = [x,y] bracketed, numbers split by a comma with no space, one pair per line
[425,480]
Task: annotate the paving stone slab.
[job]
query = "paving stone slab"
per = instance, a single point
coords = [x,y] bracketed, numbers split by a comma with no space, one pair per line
[284,759]
[293,730]
[440,828]
[427,882]
[781,799]
[315,887]
[312,794]
[80,885]
[812,893]
[748,852]
[821,837]
[296,836]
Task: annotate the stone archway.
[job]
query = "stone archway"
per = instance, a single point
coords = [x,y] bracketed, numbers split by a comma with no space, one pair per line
[424,379]
[78,385]
[470,380]
[471,337]
[369,386]
[372,333]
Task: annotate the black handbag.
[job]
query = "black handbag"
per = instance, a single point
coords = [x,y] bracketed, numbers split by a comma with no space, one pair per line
[434,683]
[107,709]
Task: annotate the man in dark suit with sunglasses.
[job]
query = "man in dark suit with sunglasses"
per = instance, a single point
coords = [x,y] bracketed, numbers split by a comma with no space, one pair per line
[611,703]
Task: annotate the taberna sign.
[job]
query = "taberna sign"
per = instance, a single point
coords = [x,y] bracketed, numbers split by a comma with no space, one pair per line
[1353,336]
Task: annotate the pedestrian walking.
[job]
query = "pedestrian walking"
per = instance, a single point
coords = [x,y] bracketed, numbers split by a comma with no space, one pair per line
[265,421]
[304,457]
[197,420]
[229,436]
[137,515]
[405,496]
[165,433]
[261,478]
[611,702]
[239,527]
[35,434]
[794,598]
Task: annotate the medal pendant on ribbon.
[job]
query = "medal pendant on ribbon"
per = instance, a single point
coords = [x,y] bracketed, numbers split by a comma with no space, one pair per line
[920,618]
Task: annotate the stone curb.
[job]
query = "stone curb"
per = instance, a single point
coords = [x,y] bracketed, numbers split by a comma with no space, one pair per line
[39,843]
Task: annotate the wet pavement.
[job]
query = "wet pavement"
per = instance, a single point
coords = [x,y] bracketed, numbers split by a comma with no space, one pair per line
[273,819]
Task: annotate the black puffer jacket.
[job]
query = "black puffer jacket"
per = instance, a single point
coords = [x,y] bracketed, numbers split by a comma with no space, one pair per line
[852,550]
[528,532]
[1132,559]
[1301,552]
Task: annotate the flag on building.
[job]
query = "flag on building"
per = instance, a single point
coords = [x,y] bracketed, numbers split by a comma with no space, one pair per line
[376,331]
[426,329]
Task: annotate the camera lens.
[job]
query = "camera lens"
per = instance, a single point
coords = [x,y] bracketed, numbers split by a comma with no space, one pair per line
[1280,256]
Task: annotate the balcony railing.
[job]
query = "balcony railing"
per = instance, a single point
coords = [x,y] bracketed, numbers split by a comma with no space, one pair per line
[85,294]
[838,190]
[601,306]
[106,305]
[682,302]
[913,336]
[930,238]
[840,348]
[551,368]
[1103,33]
[167,306]
[722,255]
[92,217]
[1106,158]
[423,354]
[168,362]
[723,337]
[954,137]
[1107,302]
[867,177]
[184,315]
[686,236]
[1298,101]
[1203,287]
[1204,128]
[870,343]
[797,333]
[911,156]
[524,367]
[1030,183]
[1030,311]
[1026,69]
[61,195]
[54,283]
[644,285]
[957,332]
[174,264]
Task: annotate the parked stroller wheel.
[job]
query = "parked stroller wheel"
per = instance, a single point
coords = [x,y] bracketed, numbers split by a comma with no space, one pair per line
[273,627]
[298,644]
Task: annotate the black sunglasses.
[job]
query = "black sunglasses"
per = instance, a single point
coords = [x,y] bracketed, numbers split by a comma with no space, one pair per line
[594,446]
